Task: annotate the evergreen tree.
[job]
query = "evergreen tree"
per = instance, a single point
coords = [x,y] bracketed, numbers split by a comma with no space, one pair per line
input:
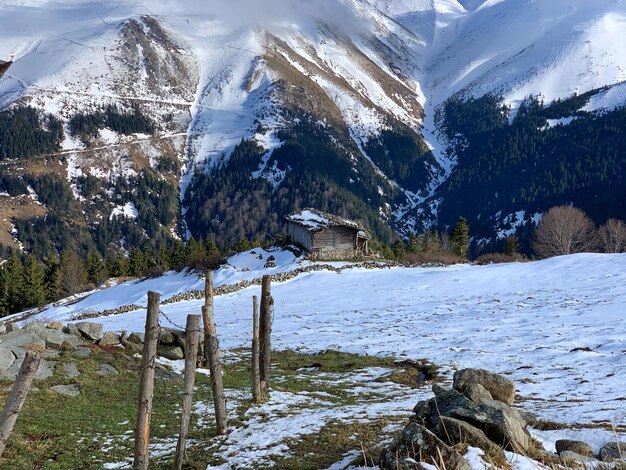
[413,246]
[511,245]
[52,279]
[13,280]
[96,269]
[399,249]
[34,278]
[460,238]
[138,263]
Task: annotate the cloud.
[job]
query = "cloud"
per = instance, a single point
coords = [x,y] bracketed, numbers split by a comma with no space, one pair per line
[269,14]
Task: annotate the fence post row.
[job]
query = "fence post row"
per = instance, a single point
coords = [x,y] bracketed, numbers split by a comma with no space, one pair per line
[192,338]
[146,383]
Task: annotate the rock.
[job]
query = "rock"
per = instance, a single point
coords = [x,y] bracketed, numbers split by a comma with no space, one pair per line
[453,431]
[56,339]
[55,325]
[137,338]
[109,338]
[163,374]
[613,451]
[20,338]
[82,352]
[578,447]
[569,457]
[419,444]
[72,390]
[529,418]
[7,358]
[71,370]
[71,329]
[90,330]
[34,326]
[501,388]
[477,393]
[106,369]
[501,423]
[166,337]
[51,354]
[11,327]
[174,353]
[45,370]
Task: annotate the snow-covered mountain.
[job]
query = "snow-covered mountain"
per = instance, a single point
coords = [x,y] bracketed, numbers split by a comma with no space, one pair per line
[341,98]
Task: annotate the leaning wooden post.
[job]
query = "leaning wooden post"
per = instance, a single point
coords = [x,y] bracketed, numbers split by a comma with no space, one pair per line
[192,338]
[265,332]
[146,383]
[212,349]
[208,302]
[18,394]
[256,373]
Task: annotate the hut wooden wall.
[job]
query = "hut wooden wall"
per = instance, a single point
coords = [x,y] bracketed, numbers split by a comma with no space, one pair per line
[300,235]
[335,238]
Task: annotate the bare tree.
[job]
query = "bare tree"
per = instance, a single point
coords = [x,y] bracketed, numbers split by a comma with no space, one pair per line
[564,230]
[613,236]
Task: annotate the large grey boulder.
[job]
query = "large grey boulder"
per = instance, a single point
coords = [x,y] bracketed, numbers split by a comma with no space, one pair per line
[20,338]
[578,447]
[56,339]
[7,358]
[110,338]
[502,425]
[137,338]
[453,431]
[501,388]
[90,330]
[613,451]
[82,352]
[416,443]
[173,353]
[166,336]
[106,369]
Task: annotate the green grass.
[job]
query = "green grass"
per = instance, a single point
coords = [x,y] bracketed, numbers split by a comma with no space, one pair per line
[85,432]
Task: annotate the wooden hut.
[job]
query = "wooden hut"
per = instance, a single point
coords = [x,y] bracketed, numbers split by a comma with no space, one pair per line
[326,235]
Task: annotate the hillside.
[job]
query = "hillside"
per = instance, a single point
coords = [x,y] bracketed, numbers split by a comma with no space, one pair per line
[157,121]
[548,325]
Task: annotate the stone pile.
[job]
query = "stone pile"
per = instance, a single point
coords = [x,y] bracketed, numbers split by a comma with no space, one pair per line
[14,341]
[477,412]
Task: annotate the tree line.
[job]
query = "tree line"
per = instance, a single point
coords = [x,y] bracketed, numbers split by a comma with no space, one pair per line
[26,282]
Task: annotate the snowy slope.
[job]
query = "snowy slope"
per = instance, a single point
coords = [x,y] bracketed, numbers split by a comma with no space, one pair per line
[524,320]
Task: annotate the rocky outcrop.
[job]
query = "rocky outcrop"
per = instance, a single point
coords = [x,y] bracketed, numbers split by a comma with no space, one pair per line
[418,444]
[468,414]
[577,447]
[613,451]
[501,388]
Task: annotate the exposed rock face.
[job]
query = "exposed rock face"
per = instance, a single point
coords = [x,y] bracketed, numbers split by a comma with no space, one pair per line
[174,353]
[578,447]
[90,330]
[109,338]
[613,451]
[473,418]
[414,444]
[501,388]
[72,390]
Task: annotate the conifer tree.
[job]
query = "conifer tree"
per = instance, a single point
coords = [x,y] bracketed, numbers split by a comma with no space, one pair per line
[52,277]
[14,284]
[137,262]
[511,245]
[460,238]
[34,275]
[399,249]
[96,269]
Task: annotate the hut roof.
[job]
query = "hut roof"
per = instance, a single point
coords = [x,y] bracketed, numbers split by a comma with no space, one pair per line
[314,220]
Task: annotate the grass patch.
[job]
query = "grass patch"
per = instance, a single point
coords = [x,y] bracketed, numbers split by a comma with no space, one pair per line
[58,432]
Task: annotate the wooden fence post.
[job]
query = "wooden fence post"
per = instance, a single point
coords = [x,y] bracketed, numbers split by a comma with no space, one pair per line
[146,383]
[265,333]
[17,397]
[208,302]
[256,373]
[212,351]
[192,338]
